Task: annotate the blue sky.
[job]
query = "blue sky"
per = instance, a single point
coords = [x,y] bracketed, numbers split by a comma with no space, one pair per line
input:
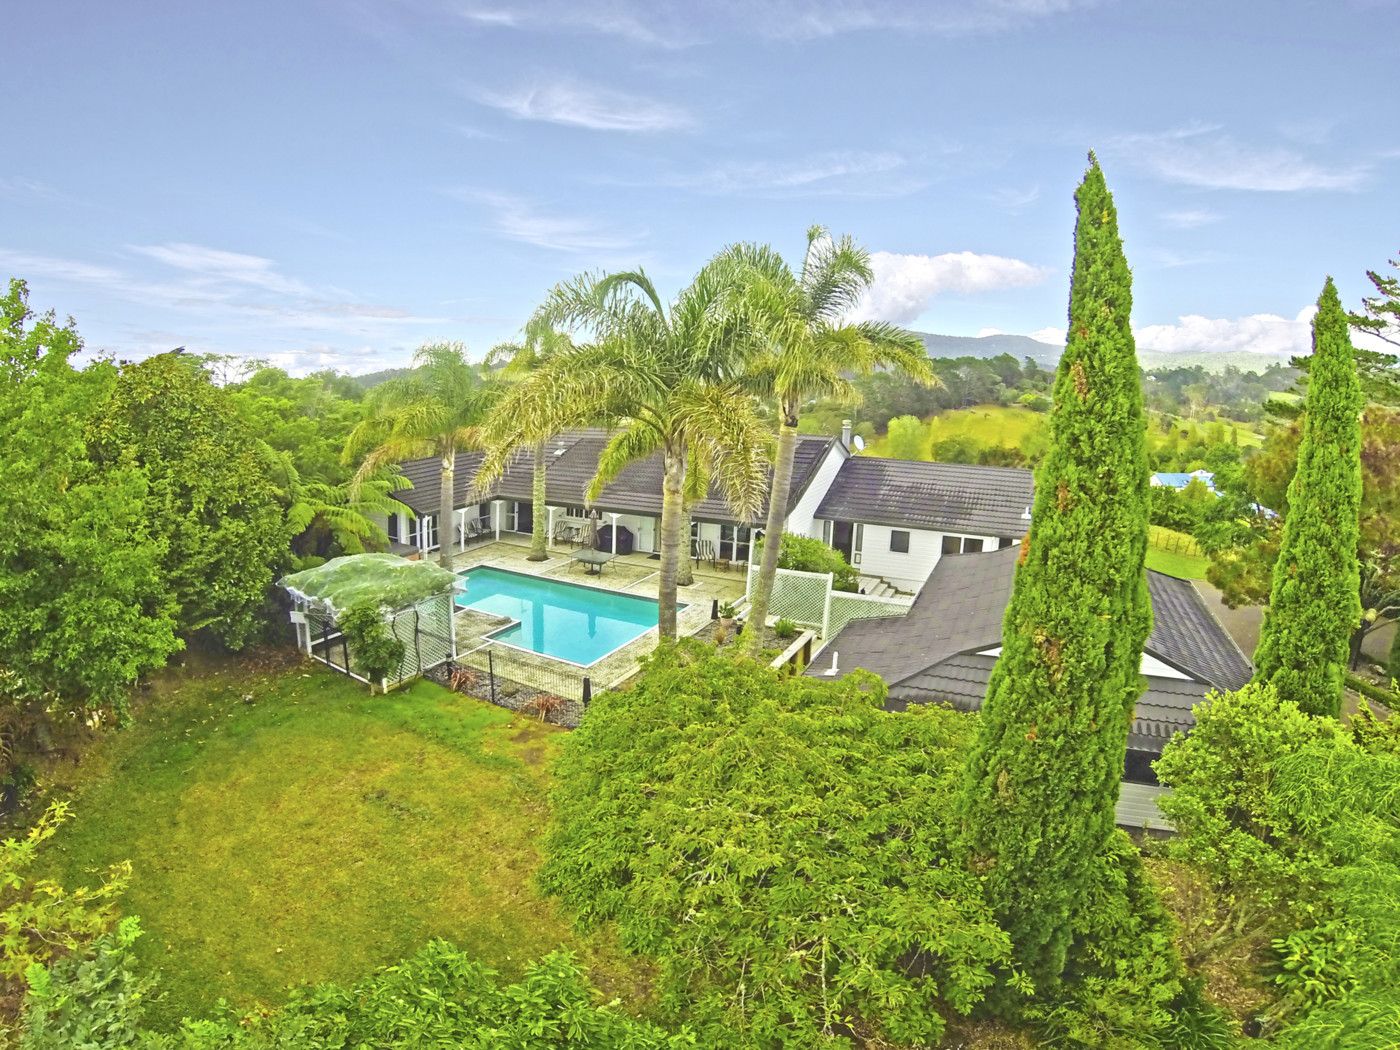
[334,183]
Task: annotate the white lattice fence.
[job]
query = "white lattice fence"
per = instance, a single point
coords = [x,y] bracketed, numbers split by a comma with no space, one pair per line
[846,607]
[797,596]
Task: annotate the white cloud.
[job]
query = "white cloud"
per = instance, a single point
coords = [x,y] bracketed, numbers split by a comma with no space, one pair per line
[905,285]
[587,106]
[519,220]
[1014,199]
[853,173]
[675,24]
[217,266]
[1204,156]
[1257,333]
[1052,334]
[1190,218]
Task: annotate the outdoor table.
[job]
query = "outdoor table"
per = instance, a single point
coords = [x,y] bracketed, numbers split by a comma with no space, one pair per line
[594,559]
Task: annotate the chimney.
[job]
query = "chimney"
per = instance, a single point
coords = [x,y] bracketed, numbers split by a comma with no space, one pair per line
[846,433]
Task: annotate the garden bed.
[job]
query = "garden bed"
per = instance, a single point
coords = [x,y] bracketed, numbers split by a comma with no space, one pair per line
[513,696]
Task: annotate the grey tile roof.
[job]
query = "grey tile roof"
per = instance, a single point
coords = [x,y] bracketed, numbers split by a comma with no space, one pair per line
[572,460]
[931,654]
[948,497]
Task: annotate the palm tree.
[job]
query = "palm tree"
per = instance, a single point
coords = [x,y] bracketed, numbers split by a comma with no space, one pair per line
[810,352]
[435,410]
[540,343]
[666,377]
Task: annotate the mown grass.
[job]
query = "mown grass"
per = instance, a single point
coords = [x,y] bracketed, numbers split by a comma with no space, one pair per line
[286,828]
[1176,554]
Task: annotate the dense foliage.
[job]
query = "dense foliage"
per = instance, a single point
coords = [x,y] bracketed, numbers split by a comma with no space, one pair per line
[1296,823]
[40,918]
[85,608]
[808,554]
[210,501]
[436,998]
[777,845]
[1314,603]
[1038,802]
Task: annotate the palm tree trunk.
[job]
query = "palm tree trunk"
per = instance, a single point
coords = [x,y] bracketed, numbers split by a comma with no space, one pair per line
[672,513]
[685,575]
[445,523]
[773,532]
[539,539]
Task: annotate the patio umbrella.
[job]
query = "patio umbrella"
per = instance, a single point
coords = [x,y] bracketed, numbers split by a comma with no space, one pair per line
[590,531]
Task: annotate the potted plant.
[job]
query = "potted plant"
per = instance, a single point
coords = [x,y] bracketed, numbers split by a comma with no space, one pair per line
[726,615]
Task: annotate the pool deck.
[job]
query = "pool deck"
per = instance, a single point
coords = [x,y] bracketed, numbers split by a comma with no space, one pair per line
[628,573]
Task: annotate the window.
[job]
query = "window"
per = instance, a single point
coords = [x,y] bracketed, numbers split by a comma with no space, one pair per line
[1006,541]
[412,532]
[392,527]
[899,541]
[962,544]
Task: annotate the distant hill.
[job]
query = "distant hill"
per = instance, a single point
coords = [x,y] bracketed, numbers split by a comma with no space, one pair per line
[985,346]
[1047,354]
[370,379]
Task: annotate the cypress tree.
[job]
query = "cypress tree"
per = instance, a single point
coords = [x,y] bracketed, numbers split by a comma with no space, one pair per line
[1037,810]
[1315,602]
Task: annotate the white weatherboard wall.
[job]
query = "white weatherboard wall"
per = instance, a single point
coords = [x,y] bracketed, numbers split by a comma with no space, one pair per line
[907,571]
[801,518]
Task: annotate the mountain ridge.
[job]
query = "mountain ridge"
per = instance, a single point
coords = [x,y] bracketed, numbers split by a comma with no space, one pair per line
[1048,354]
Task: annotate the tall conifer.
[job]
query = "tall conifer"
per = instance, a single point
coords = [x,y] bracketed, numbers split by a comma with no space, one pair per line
[1038,804]
[1315,602]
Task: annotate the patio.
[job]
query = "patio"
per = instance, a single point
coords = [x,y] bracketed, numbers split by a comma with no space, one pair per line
[628,573]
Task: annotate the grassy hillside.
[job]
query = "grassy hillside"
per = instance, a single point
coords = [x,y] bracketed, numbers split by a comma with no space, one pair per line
[1020,428]
[287,828]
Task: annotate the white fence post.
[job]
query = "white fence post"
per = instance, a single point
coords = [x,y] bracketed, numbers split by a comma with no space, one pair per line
[826,603]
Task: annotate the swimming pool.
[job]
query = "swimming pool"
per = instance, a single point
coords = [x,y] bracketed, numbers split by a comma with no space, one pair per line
[564,620]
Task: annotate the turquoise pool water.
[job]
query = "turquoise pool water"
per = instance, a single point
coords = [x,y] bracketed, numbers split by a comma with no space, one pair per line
[563,620]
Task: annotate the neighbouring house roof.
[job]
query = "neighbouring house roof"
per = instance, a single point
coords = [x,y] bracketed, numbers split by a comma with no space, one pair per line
[935,652]
[947,497]
[1180,479]
[571,461]
[385,580]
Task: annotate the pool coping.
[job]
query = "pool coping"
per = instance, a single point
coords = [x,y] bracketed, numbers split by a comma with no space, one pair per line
[491,638]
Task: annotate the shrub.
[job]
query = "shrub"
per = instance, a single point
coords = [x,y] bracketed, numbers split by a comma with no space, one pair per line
[436,998]
[1034,401]
[374,649]
[777,844]
[806,554]
[92,998]
[785,629]
[38,917]
[1297,821]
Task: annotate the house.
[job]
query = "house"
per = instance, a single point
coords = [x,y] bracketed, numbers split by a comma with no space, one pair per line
[944,649]
[893,519]
[1179,480]
[628,510]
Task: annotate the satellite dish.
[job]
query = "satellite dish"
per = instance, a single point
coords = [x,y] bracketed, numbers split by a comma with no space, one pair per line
[859,443]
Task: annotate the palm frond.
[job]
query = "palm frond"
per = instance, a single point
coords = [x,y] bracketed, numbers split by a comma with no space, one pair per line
[630,444]
[724,432]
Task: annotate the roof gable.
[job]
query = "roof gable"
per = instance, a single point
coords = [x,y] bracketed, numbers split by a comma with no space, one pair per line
[948,497]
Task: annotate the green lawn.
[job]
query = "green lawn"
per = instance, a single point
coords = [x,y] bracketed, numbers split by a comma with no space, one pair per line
[1176,554]
[286,828]
[985,424]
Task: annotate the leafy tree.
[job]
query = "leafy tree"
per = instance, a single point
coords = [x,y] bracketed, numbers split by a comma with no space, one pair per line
[519,359]
[1314,604]
[758,836]
[906,438]
[1295,822]
[437,409]
[438,997]
[809,351]
[375,650]
[666,377]
[211,501]
[1038,800]
[808,554]
[40,918]
[86,611]
[1380,316]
